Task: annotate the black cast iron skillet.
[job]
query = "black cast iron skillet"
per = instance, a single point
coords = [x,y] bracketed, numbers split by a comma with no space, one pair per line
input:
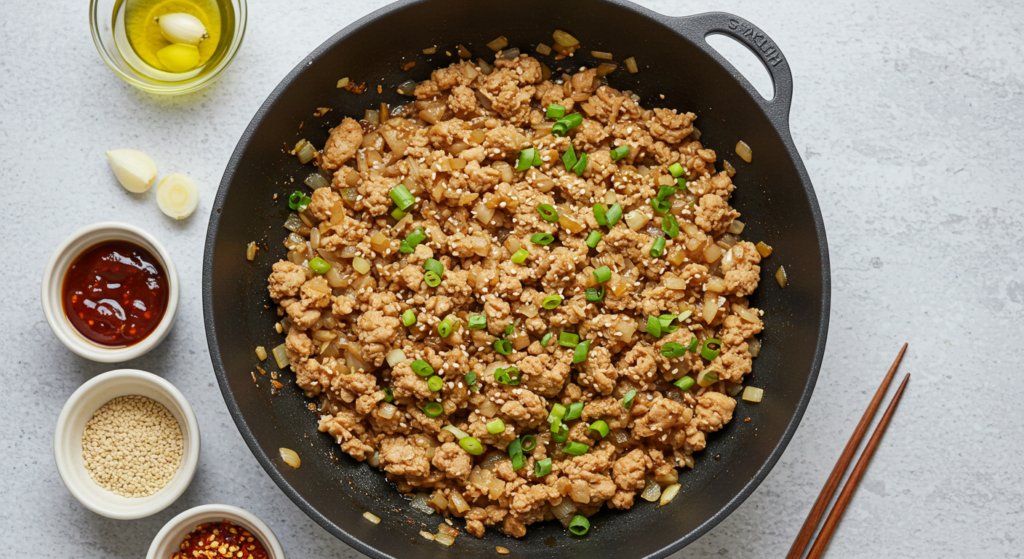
[774,194]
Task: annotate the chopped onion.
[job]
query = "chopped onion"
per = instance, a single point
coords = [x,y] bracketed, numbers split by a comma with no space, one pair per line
[510,54]
[250,251]
[371,517]
[460,504]
[361,265]
[631,65]
[652,491]
[395,356]
[543,49]
[374,460]
[281,356]
[482,213]
[438,501]
[316,180]
[669,493]
[729,169]
[716,285]
[601,54]
[459,433]
[764,250]
[290,457]
[668,479]
[407,88]
[712,253]
[752,394]
[606,68]
[780,276]
[488,409]
[261,352]
[342,83]
[427,535]
[293,223]
[498,44]
[636,220]
[564,39]
[746,314]
[306,152]
[736,227]
[419,503]
[564,511]
[734,389]
[673,282]
[754,347]
[463,52]
[744,151]
[445,539]
[710,308]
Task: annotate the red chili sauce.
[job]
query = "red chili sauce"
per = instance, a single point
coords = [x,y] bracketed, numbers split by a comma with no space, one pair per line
[115,293]
[220,540]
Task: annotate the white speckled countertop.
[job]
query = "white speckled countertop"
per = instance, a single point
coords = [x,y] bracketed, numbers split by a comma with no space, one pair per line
[909,116]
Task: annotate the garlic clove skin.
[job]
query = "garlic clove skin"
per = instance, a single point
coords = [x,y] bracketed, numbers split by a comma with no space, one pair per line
[135,170]
[177,195]
[183,29]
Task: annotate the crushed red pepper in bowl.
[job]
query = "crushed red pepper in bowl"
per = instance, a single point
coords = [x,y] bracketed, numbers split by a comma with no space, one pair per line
[216,540]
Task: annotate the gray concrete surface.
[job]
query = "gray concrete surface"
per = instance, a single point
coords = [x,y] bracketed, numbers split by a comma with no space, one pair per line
[908,114]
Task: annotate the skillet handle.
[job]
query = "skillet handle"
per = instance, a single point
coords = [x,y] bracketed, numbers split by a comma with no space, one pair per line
[698,27]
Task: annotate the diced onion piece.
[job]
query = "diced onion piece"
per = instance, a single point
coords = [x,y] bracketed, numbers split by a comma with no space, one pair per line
[305,152]
[380,242]
[460,504]
[623,330]
[427,535]
[371,517]
[673,282]
[651,492]
[734,389]
[564,39]
[374,460]
[606,68]
[710,308]
[631,65]
[261,352]
[445,539]
[387,411]
[178,196]
[498,44]
[438,501]
[419,502]
[281,356]
[395,356]
[707,377]
[250,251]
[744,151]
[463,52]
[446,529]
[564,511]
[715,284]
[543,49]
[482,213]
[361,265]
[780,276]
[754,347]
[677,255]
[736,227]
[712,253]
[569,223]
[747,314]
[729,169]
[764,250]
[459,433]
[668,494]
[342,83]
[488,409]
[752,394]
[290,457]
[316,180]
[636,220]
[601,54]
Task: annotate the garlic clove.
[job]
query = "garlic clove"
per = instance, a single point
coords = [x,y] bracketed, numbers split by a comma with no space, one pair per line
[178,58]
[177,196]
[135,170]
[185,29]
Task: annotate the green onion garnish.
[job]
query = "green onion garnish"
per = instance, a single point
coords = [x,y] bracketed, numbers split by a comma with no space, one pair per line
[559,128]
[573,120]
[541,468]
[298,201]
[398,214]
[600,214]
[551,301]
[614,214]
[603,274]
[685,383]
[676,170]
[595,295]
[600,426]
[433,409]
[495,427]
[509,329]
[580,355]
[568,339]
[580,165]
[673,349]
[547,338]
[620,152]
[432,279]
[529,443]
[435,383]
[319,265]
[654,326]
[509,376]
[408,318]
[692,348]
[477,322]
[559,432]
[555,111]
[670,226]
[389,395]
[575,410]
[627,401]
[557,412]
[470,378]
[576,449]
[403,199]
[432,265]
[661,206]
[471,445]
[422,368]
[548,212]
[681,181]
[515,452]
[579,525]
[520,256]
[526,158]
[593,238]
[444,328]
[569,159]
[536,158]
[542,238]
[503,347]
[415,238]
[665,191]
[658,248]
[668,324]
[708,352]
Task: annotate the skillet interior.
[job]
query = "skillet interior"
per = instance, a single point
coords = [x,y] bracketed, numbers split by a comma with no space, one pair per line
[774,194]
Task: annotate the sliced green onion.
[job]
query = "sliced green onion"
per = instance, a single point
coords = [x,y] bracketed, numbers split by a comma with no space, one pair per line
[559,432]
[470,378]
[707,377]
[581,165]
[555,111]
[593,238]
[668,324]
[408,245]
[569,159]
[509,376]
[477,322]
[298,201]
[520,256]
[422,368]
[619,152]
[526,158]
[433,409]
[595,295]
[684,383]
[432,279]
[471,445]
[537,161]
[576,449]
[515,452]
[580,355]
[432,265]
[403,199]
[681,181]
[579,525]
[710,353]
[673,349]
[509,329]
[661,206]
[319,265]
[692,348]
[600,214]
[575,411]
[495,427]
[542,238]
[389,395]
[559,128]
[658,248]
[614,214]
[551,301]
[547,338]
[557,412]
[568,339]
[444,328]
[627,401]
[459,433]
[670,226]
[542,468]
[665,191]
[398,214]
[677,170]
[408,318]
[600,426]
[435,383]
[654,326]
[503,347]
[572,120]
[603,274]
[529,443]
[548,212]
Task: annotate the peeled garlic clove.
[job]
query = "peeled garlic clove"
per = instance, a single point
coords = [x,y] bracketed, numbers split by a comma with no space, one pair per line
[135,170]
[177,196]
[183,29]
[178,58]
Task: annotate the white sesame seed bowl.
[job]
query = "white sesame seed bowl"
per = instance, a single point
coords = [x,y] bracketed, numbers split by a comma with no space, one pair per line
[93,396]
[169,538]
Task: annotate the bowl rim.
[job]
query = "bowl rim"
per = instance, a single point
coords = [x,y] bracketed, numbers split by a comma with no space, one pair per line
[53,277]
[188,519]
[770,111]
[76,407]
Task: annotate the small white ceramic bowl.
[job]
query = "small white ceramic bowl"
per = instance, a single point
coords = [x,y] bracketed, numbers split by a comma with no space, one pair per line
[53,278]
[79,409]
[169,538]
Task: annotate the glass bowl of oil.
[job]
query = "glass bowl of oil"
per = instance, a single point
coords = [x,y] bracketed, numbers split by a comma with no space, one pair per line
[130,40]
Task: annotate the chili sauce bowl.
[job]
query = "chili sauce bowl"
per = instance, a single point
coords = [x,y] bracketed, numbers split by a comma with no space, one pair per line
[169,538]
[79,409]
[56,269]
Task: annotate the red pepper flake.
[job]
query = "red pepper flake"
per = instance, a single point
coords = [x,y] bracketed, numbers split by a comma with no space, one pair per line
[358,89]
[220,540]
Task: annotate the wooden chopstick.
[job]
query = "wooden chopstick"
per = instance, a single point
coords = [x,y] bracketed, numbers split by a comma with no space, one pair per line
[858,471]
[811,523]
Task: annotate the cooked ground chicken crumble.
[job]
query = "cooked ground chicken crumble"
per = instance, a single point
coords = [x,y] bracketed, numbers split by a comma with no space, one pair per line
[455,149]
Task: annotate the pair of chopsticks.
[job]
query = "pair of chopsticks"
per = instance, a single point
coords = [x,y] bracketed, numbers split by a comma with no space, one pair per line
[814,517]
